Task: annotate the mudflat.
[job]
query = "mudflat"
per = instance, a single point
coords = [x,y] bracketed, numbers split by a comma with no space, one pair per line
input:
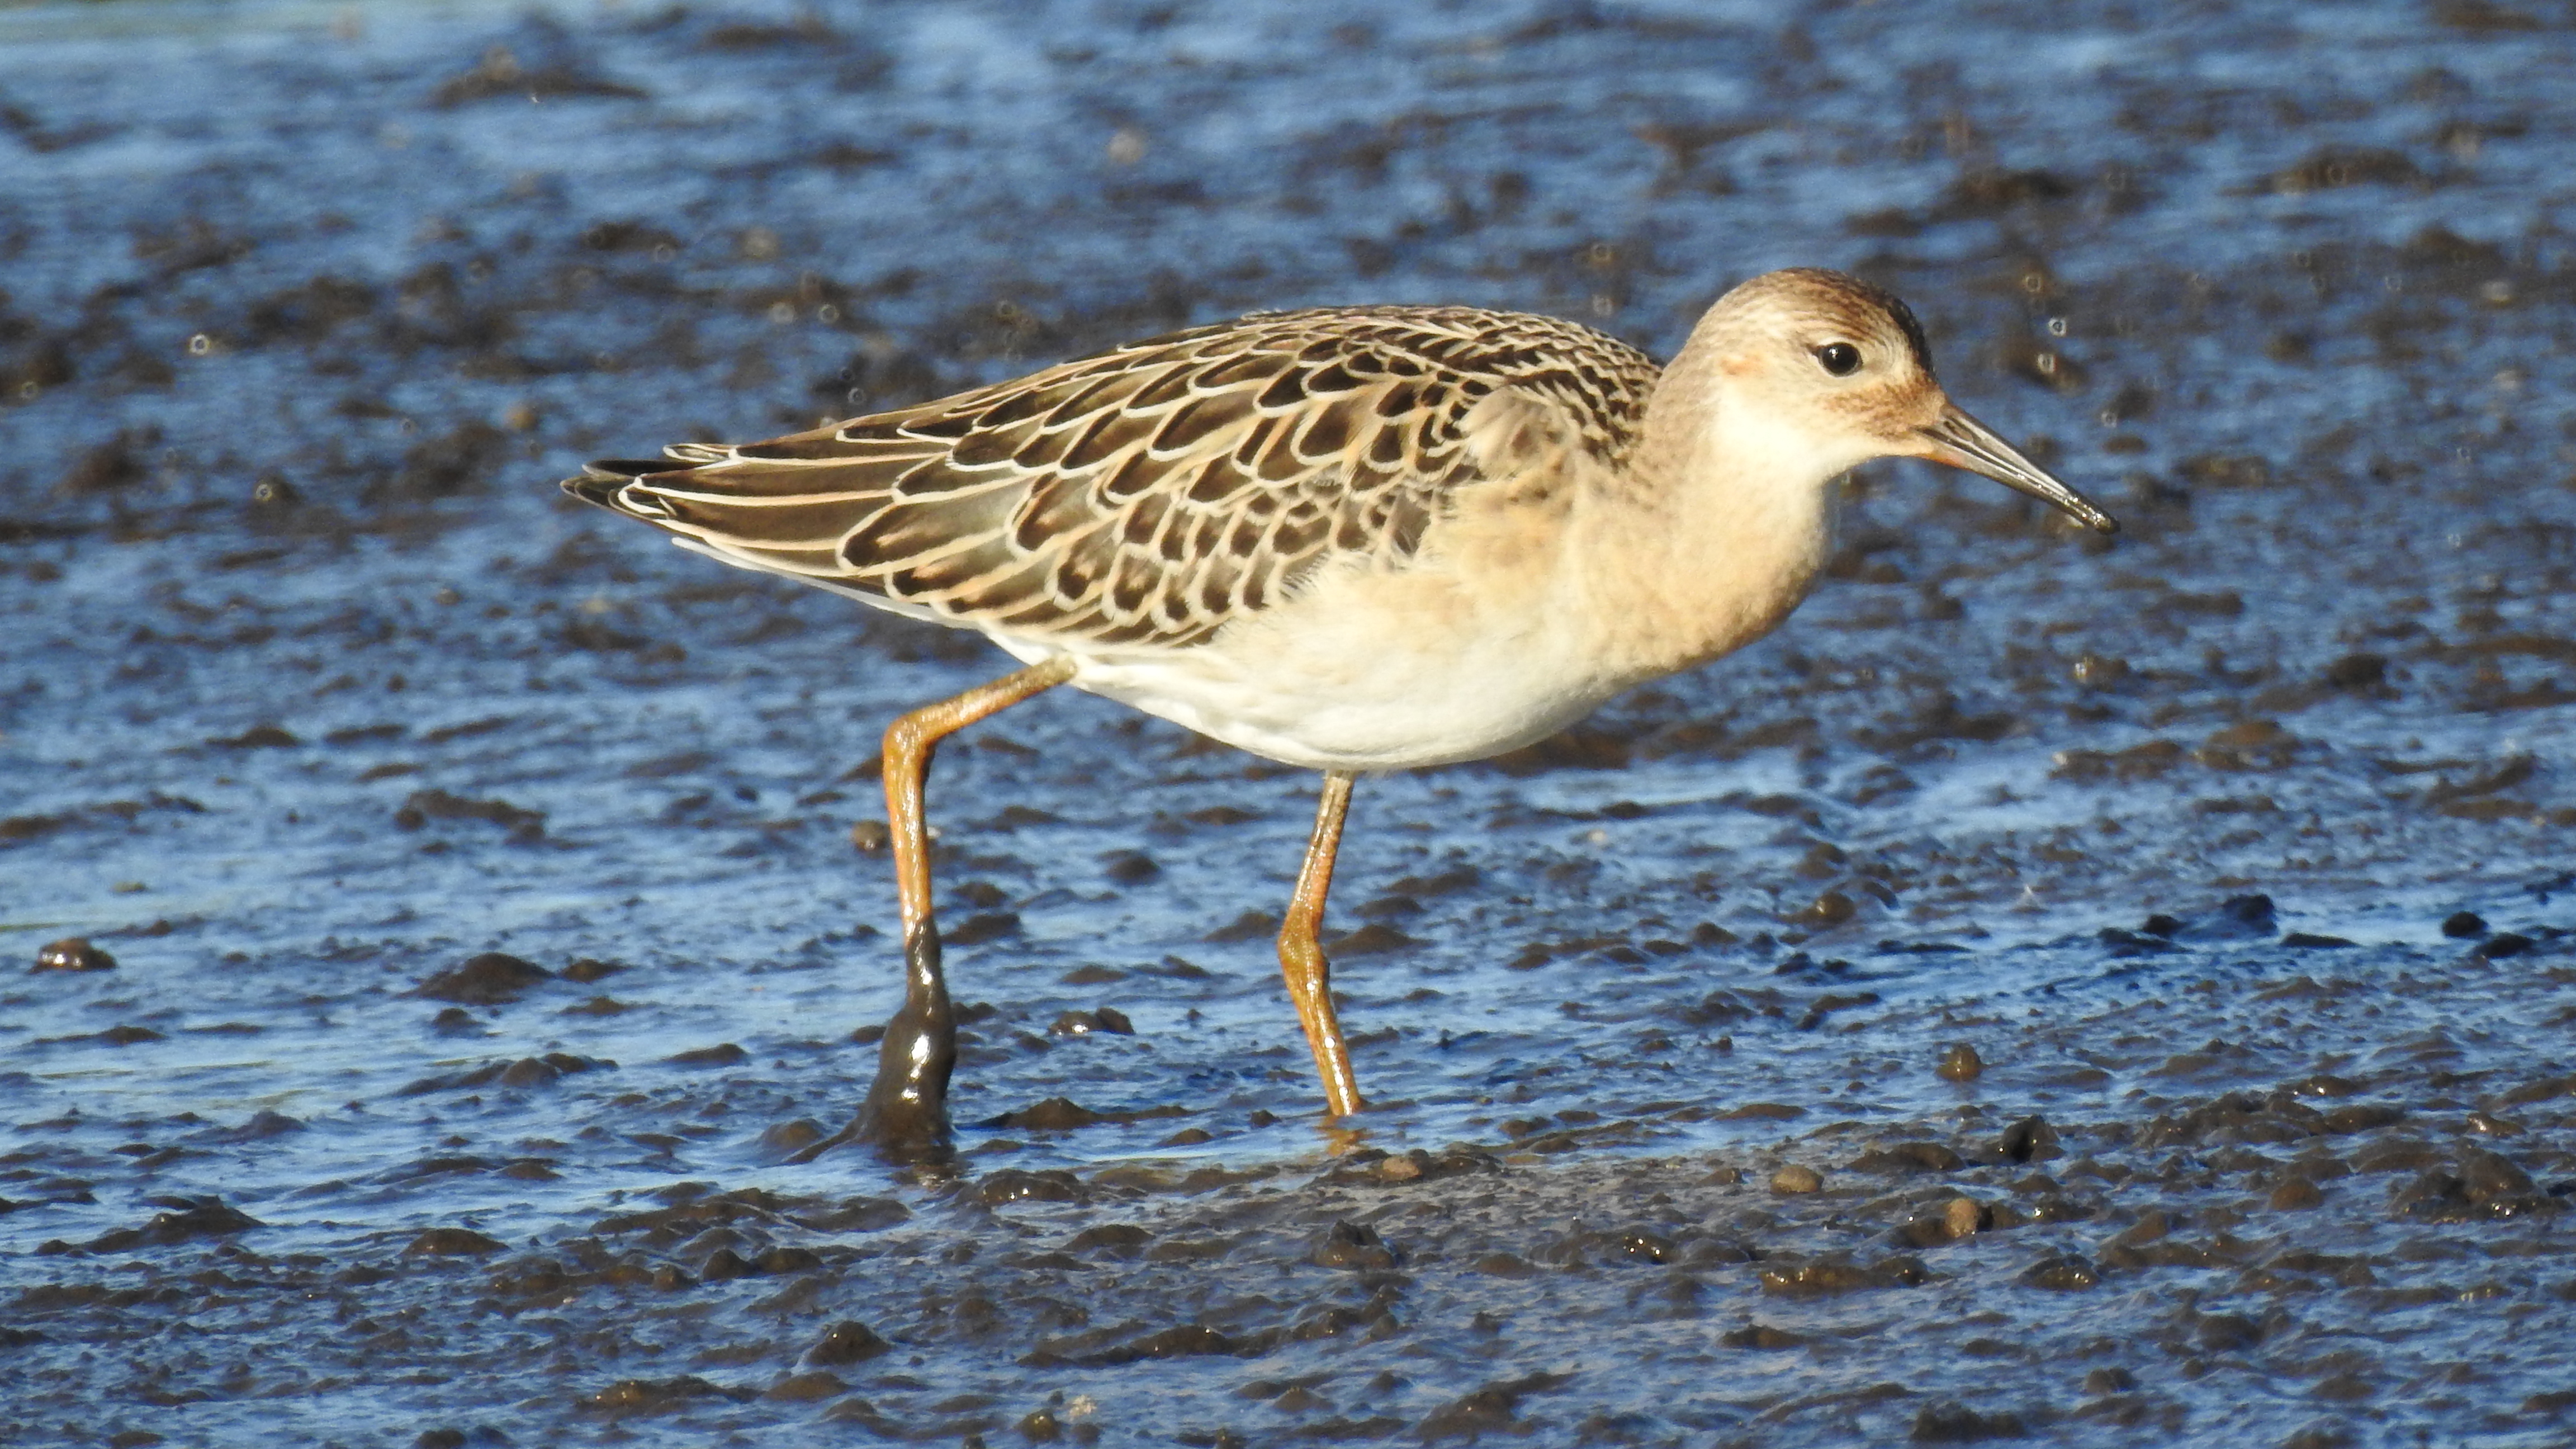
[2095,991]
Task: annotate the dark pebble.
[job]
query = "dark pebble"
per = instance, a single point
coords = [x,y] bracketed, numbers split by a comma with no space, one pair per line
[1014,1185]
[1906,1157]
[804,1388]
[1353,1245]
[2250,915]
[2464,925]
[790,1137]
[1944,1422]
[2501,945]
[2110,1381]
[2296,1194]
[452,1242]
[486,980]
[2030,1140]
[1833,908]
[983,926]
[1118,1240]
[722,1054]
[2062,1275]
[1960,1064]
[845,1343]
[72,953]
[1132,867]
[2228,1332]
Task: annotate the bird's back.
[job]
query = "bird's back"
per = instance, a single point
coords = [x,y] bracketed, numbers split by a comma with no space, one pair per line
[1147,496]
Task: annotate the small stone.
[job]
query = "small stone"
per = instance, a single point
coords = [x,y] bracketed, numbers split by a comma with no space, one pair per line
[490,979]
[1355,1246]
[2491,1125]
[1299,1400]
[2464,925]
[2110,1381]
[1964,1217]
[806,1387]
[1960,1064]
[1400,1169]
[1833,908]
[1131,867]
[844,1343]
[2296,1194]
[1796,1178]
[2229,1332]
[2031,1139]
[72,953]
[2063,1274]
[452,1242]
[2486,1176]
[1945,1422]
[870,836]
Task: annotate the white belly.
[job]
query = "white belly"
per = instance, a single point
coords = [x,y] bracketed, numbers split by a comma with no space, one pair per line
[1367,671]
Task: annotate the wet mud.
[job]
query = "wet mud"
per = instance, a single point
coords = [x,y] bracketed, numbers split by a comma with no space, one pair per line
[2059,990]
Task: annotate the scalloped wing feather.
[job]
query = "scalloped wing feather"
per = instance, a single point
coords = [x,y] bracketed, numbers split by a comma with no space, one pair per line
[1149,495]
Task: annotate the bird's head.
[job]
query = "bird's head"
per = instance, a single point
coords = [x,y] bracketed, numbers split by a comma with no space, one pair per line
[1827,372]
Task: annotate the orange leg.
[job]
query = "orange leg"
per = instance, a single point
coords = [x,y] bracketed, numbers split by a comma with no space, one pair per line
[908,1106]
[1301,956]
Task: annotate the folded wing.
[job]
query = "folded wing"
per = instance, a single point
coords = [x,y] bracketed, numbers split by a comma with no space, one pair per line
[1148,495]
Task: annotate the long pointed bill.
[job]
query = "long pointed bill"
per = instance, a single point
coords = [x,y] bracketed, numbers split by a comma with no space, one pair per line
[1962,442]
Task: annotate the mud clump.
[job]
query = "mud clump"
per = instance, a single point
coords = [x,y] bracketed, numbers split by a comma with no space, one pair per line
[493,978]
[73,954]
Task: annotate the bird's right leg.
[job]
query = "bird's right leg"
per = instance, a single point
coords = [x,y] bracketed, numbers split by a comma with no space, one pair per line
[907,1109]
[1301,954]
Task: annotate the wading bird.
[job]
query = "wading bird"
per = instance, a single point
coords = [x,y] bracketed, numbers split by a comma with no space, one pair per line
[1347,539]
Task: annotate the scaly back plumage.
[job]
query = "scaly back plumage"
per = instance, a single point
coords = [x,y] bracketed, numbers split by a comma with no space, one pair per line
[1148,495]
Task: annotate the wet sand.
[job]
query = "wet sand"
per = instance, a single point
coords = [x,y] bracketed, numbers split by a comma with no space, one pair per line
[2094,991]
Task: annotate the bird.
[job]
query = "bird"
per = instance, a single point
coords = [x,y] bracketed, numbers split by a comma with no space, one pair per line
[1347,539]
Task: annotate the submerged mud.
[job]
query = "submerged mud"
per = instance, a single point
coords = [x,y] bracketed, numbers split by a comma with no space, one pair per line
[2093,991]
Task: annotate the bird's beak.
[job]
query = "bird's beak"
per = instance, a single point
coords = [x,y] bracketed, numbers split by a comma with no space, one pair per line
[1962,442]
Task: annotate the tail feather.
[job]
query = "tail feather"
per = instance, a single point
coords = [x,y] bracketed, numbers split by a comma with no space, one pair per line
[600,482]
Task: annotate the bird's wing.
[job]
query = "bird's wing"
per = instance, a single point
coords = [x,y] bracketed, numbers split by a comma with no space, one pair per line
[1148,495]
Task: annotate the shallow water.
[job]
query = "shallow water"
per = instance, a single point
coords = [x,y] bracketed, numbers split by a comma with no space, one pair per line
[315,689]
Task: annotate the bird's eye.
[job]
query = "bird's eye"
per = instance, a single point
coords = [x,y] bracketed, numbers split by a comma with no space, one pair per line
[1839,358]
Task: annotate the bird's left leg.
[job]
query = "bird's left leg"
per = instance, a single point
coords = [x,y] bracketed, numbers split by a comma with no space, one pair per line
[907,1109]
